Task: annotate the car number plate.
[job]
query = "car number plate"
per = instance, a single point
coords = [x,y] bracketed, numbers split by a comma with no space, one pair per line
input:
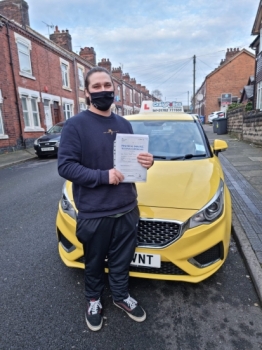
[48,149]
[147,260]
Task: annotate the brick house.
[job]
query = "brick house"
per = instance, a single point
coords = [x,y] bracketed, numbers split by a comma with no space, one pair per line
[257,46]
[42,80]
[230,77]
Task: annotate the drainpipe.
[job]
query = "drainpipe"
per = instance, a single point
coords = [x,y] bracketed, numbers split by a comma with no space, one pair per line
[15,85]
[76,85]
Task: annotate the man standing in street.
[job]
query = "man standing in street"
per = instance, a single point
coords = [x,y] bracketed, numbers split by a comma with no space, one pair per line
[107,208]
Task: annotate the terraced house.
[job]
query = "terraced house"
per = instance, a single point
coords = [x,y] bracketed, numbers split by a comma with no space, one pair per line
[42,79]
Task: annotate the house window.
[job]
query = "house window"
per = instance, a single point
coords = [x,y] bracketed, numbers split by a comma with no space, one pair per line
[65,74]
[30,112]
[82,106]
[259,95]
[68,110]
[23,48]
[1,122]
[65,79]
[131,96]
[24,58]
[81,78]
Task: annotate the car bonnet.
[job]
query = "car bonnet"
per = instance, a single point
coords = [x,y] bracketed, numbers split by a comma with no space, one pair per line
[180,184]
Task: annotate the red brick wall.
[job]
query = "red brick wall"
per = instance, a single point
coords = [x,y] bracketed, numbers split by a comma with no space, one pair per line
[46,69]
[230,78]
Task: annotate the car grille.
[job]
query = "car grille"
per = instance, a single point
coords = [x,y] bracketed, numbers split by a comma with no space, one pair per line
[155,233]
[47,143]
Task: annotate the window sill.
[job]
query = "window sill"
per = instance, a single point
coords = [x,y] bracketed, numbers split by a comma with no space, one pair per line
[3,137]
[81,88]
[66,88]
[26,75]
[37,129]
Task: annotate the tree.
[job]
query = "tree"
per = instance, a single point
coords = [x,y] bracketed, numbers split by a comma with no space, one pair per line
[157,93]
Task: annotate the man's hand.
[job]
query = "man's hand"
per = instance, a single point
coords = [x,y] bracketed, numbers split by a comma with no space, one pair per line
[115,177]
[145,159]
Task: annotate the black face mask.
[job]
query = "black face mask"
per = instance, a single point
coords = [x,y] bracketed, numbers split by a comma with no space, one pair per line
[102,100]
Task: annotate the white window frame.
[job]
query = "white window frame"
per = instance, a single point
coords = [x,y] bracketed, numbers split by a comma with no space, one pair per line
[65,75]
[259,95]
[2,128]
[68,108]
[26,51]
[81,78]
[31,95]
[82,106]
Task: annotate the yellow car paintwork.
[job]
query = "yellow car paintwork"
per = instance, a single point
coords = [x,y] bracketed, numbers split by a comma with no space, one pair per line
[175,190]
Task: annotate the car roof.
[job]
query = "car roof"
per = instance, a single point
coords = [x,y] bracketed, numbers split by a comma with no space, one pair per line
[160,116]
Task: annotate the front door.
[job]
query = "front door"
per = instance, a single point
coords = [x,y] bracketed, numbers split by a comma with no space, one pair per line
[56,112]
[48,115]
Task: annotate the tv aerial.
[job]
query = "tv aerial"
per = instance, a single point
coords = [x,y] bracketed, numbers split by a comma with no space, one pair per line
[49,26]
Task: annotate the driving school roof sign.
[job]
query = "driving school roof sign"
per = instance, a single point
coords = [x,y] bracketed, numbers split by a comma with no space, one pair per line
[161,106]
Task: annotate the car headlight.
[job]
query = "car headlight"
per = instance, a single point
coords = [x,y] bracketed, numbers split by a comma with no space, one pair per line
[66,205]
[36,142]
[57,144]
[211,211]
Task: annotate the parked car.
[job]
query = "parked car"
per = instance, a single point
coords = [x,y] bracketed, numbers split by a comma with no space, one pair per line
[213,115]
[185,205]
[47,145]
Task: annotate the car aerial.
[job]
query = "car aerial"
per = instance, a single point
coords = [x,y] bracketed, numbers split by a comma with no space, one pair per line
[185,206]
[47,145]
[213,115]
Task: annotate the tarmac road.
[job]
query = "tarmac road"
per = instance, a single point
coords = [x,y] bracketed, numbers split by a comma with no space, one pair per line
[42,301]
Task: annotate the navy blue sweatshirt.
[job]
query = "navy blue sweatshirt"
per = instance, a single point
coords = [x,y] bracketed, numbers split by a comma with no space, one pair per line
[85,157]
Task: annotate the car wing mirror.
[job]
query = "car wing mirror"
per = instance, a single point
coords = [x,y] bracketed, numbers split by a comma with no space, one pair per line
[219,146]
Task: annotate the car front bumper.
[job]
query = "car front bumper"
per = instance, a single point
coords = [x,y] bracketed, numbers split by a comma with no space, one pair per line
[193,257]
[46,151]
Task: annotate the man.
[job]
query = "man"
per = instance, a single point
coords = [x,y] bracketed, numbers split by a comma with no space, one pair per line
[107,208]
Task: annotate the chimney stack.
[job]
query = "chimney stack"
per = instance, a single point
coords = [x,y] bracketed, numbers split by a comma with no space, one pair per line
[62,39]
[105,63]
[88,53]
[16,10]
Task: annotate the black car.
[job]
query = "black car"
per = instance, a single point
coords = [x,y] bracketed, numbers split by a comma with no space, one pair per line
[47,145]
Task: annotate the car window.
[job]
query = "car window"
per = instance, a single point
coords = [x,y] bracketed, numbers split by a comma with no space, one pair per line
[56,129]
[171,139]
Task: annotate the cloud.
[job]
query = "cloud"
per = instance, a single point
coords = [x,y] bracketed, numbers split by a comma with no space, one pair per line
[154,41]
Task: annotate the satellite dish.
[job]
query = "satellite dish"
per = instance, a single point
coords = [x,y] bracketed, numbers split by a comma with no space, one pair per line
[200,97]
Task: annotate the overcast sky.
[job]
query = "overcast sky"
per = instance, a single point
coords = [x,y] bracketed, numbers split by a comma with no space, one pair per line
[154,41]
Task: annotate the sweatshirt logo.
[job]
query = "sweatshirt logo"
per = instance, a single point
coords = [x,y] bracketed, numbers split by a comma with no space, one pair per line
[110,131]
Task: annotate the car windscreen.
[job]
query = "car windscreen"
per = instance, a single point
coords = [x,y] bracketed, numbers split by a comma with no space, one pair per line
[56,129]
[172,139]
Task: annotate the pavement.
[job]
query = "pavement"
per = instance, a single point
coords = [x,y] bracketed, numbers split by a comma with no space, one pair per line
[242,165]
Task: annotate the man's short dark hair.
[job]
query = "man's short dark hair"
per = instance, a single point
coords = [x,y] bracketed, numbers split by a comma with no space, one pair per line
[92,71]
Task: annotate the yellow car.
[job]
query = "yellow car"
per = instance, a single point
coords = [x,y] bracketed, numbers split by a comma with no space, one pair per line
[185,205]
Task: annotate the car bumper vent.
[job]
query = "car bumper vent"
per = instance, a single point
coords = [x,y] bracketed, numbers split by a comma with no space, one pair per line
[156,233]
[67,245]
[167,268]
[209,257]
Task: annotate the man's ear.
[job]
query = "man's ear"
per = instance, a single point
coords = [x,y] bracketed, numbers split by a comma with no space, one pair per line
[88,99]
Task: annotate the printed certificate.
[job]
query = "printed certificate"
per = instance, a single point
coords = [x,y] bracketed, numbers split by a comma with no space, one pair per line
[127,148]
